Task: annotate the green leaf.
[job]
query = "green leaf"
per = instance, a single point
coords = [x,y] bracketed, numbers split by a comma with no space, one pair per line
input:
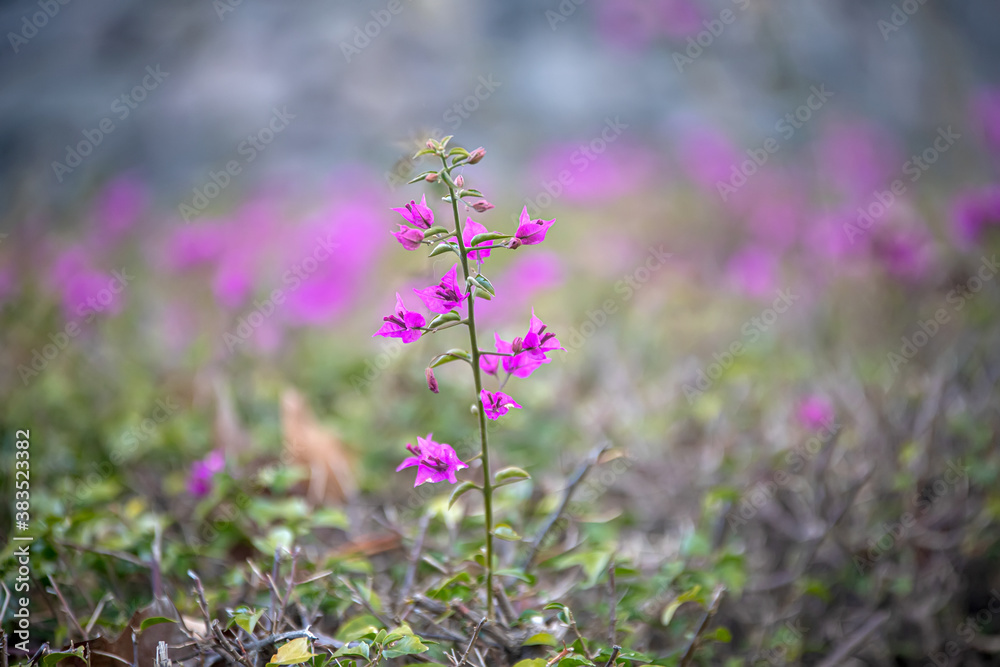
[486,236]
[505,532]
[434,230]
[423,151]
[687,596]
[721,634]
[293,653]
[512,473]
[485,283]
[247,619]
[56,658]
[454,354]
[154,620]
[458,150]
[444,247]
[460,491]
[420,177]
[481,293]
[541,639]
[474,192]
[362,650]
[408,645]
[534,662]
[450,316]
[359,626]
[574,660]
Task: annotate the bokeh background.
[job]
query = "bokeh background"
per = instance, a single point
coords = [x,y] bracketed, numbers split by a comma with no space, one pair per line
[772,268]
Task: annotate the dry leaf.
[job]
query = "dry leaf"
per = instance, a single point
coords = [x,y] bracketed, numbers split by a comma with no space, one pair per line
[307,442]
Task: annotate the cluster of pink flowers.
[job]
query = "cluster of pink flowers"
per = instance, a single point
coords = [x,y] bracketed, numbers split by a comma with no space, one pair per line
[437,462]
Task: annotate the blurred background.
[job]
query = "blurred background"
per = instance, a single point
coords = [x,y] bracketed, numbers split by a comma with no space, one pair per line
[772,270]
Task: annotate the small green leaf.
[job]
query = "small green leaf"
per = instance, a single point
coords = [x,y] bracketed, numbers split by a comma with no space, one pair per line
[479,292]
[359,626]
[454,354]
[721,634]
[293,653]
[474,192]
[505,532]
[574,660]
[434,230]
[534,662]
[541,639]
[444,247]
[460,491]
[485,236]
[408,645]
[687,596]
[450,316]
[511,473]
[154,620]
[485,283]
[458,150]
[423,151]
[362,650]
[420,177]
[56,658]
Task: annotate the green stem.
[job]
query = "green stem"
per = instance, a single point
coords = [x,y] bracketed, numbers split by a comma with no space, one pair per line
[477,377]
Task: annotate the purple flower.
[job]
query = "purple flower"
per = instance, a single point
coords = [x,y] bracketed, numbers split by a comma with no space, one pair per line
[418,215]
[815,412]
[471,229]
[530,352]
[445,296]
[497,404]
[202,472]
[410,238]
[403,324]
[435,461]
[973,212]
[490,362]
[531,232]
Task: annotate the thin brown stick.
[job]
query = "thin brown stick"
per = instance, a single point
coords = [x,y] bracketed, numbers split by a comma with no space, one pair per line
[288,593]
[578,476]
[612,604]
[411,570]
[615,650]
[472,642]
[873,623]
[706,619]
[69,612]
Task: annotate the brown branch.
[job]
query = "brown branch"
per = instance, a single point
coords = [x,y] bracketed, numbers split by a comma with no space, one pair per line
[706,619]
[613,604]
[69,612]
[873,623]
[615,650]
[472,642]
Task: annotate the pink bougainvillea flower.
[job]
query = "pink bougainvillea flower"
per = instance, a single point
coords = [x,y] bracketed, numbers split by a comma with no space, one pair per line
[497,403]
[815,412]
[121,204]
[531,232]
[445,296]
[435,461]
[408,236]
[529,352]
[974,212]
[489,363]
[468,232]
[201,474]
[419,215]
[403,324]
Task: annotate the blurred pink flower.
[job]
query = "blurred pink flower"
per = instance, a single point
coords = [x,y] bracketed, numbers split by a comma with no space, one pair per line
[815,412]
[576,173]
[6,283]
[904,253]
[753,270]
[85,290]
[635,23]
[857,158]
[120,205]
[974,212]
[188,246]
[233,282]
[200,476]
[708,157]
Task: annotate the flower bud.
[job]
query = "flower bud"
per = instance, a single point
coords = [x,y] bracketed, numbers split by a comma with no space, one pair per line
[482,206]
[514,243]
[432,382]
[476,155]
[430,144]
[517,346]
[431,177]
[459,181]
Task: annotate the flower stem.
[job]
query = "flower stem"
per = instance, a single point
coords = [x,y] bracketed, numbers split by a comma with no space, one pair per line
[477,378]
